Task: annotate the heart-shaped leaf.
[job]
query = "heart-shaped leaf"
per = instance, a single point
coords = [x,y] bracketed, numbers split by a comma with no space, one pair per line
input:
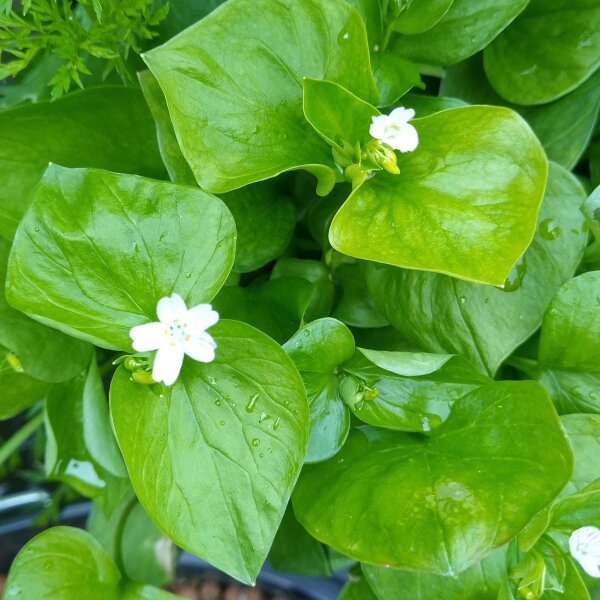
[550,49]
[435,216]
[440,504]
[486,324]
[237,109]
[214,458]
[317,350]
[97,250]
[63,563]
[108,128]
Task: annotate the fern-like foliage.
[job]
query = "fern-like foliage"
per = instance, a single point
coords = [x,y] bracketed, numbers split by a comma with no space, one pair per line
[105,29]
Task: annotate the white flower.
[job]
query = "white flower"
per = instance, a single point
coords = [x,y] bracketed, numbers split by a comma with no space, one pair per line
[178,331]
[584,545]
[394,129]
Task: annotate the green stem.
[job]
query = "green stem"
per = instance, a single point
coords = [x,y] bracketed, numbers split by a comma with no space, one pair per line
[386,37]
[18,438]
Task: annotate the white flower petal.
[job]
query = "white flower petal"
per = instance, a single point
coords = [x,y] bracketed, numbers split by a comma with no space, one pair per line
[402,115]
[584,545]
[201,347]
[378,126]
[167,363]
[149,336]
[201,317]
[407,140]
[171,308]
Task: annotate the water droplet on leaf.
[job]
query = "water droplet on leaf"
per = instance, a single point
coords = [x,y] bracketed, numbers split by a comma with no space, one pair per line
[255,442]
[252,403]
[515,277]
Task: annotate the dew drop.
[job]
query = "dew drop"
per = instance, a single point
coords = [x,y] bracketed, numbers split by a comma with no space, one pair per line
[425,424]
[515,277]
[264,417]
[37,228]
[222,422]
[343,36]
[136,248]
[276,423]
[462,299]
[549,229]
[162,237]
[252,403]
[188,275]
[255,442]
[218,402]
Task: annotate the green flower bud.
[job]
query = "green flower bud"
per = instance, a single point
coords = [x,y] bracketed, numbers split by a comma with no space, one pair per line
[143,377]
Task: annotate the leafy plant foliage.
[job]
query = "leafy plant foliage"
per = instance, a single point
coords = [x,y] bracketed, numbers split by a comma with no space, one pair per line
[389,206]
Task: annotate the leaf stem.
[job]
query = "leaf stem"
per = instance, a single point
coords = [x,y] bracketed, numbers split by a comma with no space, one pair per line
[18,438]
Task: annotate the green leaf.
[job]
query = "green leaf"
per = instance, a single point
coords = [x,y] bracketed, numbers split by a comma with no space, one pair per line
[394,75]
[575,113]
[19,391]
[553,47]
[476,228]
[244,420]
[237,109]
[410,391]
[336,114]
[570,338]
[316,273]
[138,591]
[355,306]
[591,210]
[108,128]
[317,350]
[486,324]
[465,29]
[357,588]
[147,555]
[572,392]
[583,432]
[183,13]
[479,582]
[295,551]
[177,167]
[440,504]
[421,15]
[265,219]
[63,563]
[276,307]
[427,105]
[97,250]
[80,446]
[43,353]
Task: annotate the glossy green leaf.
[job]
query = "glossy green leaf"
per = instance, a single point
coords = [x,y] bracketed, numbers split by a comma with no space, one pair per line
[583,432]
[465,29]
[265,219]
[276,307]
[486,324]
[63,563]
[357,588]
[19,390]
[316,273]
[476,228]
[317,350]
[43,353]
[295,551]
[355,306]
[564,126]
[147,555]
[108,128]
[183,13]
[410,391]
[336,114]
[237,109]
[97,250]
[552,47]
[80,446]
[444,503]
[394,75]
[243,420]
[479,582]
[176,165]
[138,591]
[591,209]
[421,15]
[570,338]
[572,392]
